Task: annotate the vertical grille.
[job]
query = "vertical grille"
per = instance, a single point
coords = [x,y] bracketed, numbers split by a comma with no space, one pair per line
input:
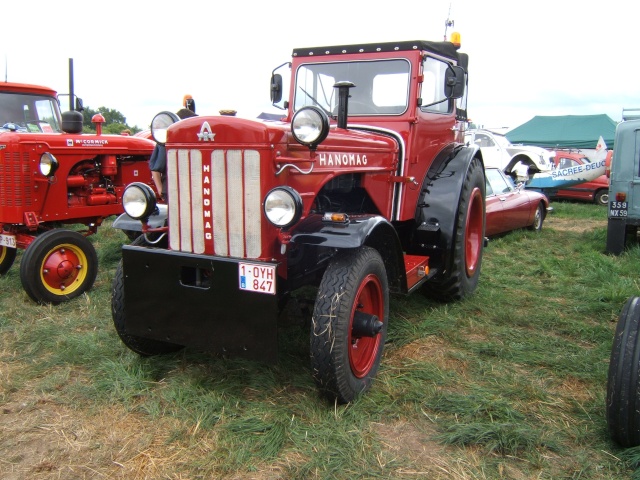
[215,202]
[16,188]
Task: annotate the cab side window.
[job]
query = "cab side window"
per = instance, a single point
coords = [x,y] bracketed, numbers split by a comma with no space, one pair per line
[433,97]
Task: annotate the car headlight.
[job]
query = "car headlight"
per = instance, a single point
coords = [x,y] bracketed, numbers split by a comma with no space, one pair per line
[160,123]
[283,206]
[310,126]
[139,201]
[48,164]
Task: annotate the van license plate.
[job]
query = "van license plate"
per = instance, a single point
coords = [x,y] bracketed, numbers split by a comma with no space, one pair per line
[7,241]
[256,277]
[617,209]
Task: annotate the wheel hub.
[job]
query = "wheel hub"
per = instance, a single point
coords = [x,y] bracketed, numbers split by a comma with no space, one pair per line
[60,268]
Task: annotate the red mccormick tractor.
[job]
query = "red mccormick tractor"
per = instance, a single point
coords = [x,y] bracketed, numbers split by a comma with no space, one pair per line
[363,188]
[52,175]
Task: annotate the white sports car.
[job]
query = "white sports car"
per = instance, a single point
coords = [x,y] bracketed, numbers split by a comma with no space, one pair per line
[519,161]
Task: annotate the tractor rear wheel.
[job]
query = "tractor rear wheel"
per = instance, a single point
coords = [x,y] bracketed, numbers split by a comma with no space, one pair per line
[461,276]
[58,265]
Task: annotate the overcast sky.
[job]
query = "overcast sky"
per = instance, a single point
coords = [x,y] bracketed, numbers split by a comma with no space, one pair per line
[140,57]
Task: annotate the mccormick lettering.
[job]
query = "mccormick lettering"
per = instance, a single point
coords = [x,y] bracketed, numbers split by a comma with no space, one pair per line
[342,160]
[92,143]
[206,201]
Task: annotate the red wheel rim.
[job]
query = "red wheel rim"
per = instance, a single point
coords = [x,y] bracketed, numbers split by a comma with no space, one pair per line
[64,269]
[473,232]
[364,350]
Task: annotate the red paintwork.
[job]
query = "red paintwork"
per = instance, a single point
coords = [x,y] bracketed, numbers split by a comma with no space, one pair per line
[583,191]
[87,187]
[512,209]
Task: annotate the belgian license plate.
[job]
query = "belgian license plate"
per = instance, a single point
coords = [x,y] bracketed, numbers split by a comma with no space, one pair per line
[256,277]
[7,241]
[618,209]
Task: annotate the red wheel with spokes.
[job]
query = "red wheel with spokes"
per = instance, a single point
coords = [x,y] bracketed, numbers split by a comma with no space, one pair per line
[349,324]
[58,265]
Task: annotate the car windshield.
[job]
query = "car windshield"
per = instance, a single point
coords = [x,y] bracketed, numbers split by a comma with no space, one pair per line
[502,141]
[29,113]
[381,86]
[497,183]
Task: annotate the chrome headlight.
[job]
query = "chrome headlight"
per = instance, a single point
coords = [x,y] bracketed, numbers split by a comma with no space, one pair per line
[310,126]
[48,164]
[283,206]
[138,200]
[160,123]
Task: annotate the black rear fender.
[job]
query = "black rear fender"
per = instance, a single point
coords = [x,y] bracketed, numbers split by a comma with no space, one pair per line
[436,211]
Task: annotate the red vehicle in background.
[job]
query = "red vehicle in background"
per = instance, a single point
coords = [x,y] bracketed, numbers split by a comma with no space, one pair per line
[511,207]
[596,191]
[53,181]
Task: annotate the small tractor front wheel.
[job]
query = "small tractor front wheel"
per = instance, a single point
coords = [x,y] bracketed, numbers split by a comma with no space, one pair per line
[58,265]
[623,384]
[7,257]
[349,324]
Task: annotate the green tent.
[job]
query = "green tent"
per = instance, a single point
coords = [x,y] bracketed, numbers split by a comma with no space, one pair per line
[565,131]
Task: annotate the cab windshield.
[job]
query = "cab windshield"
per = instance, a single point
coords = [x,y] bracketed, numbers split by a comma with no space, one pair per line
[29,113]
[381,86]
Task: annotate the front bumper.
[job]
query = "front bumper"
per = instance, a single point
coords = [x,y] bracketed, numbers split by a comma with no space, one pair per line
[196,301]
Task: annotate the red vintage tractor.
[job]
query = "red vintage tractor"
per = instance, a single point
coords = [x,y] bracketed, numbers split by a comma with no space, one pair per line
[54,178]
[363,187]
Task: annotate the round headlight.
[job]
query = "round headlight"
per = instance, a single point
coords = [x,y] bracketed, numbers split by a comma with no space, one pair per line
[160,123]
[48,164]
[138,200]
[310,126]
[283,206]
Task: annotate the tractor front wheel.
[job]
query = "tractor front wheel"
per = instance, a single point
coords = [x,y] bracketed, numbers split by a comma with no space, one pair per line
[7,257]
[349,324]
[58,265]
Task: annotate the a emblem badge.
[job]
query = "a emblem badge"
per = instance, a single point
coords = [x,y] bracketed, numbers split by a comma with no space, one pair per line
[205,134]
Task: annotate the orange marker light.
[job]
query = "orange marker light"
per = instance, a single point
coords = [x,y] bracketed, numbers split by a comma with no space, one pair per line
[455,39]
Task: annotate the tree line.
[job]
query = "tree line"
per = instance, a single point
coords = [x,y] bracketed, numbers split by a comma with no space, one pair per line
[114,121]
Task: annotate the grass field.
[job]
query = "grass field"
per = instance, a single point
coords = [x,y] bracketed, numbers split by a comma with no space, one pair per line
[509,383]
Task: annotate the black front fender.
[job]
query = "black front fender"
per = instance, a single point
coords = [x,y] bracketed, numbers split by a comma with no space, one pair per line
[370,230]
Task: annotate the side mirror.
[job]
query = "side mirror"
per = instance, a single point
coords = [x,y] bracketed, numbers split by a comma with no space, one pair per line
[279,85]
[79,105]
[454,82]
[276,88]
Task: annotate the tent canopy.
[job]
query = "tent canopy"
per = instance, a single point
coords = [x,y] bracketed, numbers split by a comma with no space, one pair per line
[565,131]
